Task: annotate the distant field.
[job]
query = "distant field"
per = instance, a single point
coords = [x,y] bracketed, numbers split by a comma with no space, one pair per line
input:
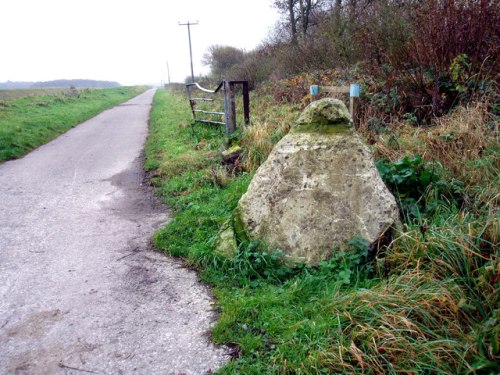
[24,93]
[40,115]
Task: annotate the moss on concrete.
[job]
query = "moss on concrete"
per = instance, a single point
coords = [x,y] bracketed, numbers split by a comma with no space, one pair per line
[325,111]
[322,129]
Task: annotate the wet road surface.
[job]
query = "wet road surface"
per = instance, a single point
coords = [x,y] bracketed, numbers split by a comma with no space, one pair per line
[81,290]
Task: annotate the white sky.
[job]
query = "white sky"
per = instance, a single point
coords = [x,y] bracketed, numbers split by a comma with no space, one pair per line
[129,41]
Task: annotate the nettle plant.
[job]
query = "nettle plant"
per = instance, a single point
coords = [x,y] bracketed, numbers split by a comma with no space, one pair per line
[345,264]
[419,186]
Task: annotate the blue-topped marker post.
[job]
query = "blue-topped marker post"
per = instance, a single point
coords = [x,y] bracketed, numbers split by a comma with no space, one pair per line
[353,90]
[354,103]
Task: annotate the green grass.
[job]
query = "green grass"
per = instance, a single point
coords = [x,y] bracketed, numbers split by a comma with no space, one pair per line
[23,93]
[427,304]
[26,123]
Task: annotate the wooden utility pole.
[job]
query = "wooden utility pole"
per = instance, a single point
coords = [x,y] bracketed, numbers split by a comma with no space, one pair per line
[168,72]
[189,24]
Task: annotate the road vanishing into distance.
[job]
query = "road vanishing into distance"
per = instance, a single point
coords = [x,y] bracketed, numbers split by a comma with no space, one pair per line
[81,290]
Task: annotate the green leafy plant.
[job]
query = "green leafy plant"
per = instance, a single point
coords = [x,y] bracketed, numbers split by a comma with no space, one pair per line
[255,265]
[345,264]
[408,178]
[419,186]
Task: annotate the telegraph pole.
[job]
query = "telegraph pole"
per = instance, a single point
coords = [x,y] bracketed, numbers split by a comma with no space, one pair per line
[189,24]
[168,72]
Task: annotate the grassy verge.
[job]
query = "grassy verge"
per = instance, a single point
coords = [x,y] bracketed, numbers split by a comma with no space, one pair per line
[427,303]
[26,123]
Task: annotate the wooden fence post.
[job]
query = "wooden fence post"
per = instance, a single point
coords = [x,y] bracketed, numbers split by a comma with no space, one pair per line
[246,103]
[191,103]
[229,107]
[354,104]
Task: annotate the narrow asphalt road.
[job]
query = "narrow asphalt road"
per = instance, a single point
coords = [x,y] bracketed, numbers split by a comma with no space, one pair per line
[81,291]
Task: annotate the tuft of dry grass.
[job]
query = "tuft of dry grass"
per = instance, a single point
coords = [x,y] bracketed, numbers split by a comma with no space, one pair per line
[258,143]
[458,141]
[452,246]
[411,318]
[269,124]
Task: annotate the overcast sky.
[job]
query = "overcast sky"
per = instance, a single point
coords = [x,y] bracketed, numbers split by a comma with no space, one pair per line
[122,40]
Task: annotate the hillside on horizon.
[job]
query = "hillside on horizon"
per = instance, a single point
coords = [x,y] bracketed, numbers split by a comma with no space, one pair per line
[79,83]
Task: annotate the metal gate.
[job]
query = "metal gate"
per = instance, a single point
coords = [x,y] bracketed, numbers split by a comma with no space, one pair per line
[205,108]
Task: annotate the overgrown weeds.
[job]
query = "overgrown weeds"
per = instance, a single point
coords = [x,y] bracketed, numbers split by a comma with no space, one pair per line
[465,143]
[462,148]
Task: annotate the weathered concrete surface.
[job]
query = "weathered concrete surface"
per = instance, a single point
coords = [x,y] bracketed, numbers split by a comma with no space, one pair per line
[226,244]
[80,289]
[318,189]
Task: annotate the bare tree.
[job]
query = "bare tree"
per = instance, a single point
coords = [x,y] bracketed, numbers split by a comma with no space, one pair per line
[299,14]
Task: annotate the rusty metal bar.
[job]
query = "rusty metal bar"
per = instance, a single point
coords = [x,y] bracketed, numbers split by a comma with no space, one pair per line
[212,122]
[209,112]
[203,99]
[204,89]
[192,101]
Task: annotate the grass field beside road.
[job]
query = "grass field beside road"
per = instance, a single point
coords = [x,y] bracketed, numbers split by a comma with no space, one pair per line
[29,122]
[24,93]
